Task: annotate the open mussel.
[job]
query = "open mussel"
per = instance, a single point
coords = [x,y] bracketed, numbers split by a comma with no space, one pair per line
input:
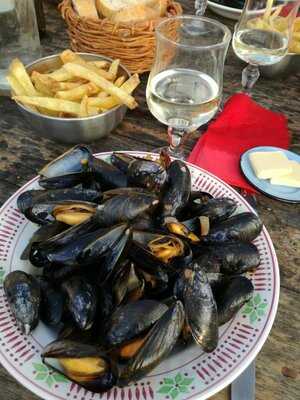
[81,301]
[69,162]
[154,272]
[229,258]
[244,227]
[169,249]
[132,319]
[24,298]
[200,308]
[177,190]
[70,206]
[82,363]
[52,302]
[125,208]
[155,346]
[234,294]
[127,285]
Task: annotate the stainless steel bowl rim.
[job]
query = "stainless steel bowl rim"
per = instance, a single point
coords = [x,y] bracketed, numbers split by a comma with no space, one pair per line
[73,118]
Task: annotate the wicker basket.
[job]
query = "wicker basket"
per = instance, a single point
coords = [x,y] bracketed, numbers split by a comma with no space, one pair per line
[133,44]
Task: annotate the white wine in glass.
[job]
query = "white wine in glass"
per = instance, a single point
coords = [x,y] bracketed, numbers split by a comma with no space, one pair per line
[186,80]
[262,35]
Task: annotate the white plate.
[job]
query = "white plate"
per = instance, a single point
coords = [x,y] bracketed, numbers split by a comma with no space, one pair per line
[191,374]
[224,11]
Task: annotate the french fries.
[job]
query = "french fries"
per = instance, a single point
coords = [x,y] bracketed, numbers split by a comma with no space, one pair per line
[79,88]
[102,83]
[272,20]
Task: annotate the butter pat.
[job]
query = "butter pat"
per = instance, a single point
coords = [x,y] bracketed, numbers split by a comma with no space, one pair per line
[270,164]
[292,179]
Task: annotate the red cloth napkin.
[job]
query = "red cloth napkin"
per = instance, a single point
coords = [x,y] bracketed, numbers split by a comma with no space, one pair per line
[243,124]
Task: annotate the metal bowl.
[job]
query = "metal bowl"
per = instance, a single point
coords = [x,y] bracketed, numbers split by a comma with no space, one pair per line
[73,130]
[288,65]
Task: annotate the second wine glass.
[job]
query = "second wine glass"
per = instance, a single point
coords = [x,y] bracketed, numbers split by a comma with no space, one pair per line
[186,80]
[262,35]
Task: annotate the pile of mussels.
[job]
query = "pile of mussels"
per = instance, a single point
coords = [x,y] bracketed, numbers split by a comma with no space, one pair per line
[131,263]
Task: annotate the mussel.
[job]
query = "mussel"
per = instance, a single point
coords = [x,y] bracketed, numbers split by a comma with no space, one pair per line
[42,234]
[216,209]
[52,302]
[24,298]
[127,285]
[107,175]
[244,227]
[177,190]
[125,208]
[132,319]
[147,174]
[200,308]
[233,295]
[69,162]
[82,249]
[83,363]
[81,301]
[156,345]
[229,258]
[66,205]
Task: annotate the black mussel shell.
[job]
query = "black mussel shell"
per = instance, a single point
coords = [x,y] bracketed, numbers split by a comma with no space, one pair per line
[160,340]
[244,227]
[122,161]
[83,250]
[69,162]
[200,197]
[81,301]
[177,190]
[106,251]
[124,191]
[125,208]
[58,273]
[108,175]
[24,298]
[132,319]
[147,174]
[52,302]
[81,179]
[42,234]
[230,258]
[217,209]
[69,352]
[201,309]
[232,296]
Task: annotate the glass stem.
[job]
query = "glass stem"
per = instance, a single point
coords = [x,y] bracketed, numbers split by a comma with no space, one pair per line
[250,76]
[200,7]
[176,137]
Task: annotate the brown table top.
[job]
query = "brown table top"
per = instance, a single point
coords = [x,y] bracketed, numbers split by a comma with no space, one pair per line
[22,154]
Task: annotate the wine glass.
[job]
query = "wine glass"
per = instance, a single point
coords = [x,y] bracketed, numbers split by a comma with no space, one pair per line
[186,80]
[261,37]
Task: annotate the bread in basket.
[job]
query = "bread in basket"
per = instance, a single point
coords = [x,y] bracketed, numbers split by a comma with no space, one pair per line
[132,42]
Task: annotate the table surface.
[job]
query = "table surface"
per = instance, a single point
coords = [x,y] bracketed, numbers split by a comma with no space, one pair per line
[22,154]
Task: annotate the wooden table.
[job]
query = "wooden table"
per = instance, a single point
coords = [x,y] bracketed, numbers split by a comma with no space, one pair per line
[22,154]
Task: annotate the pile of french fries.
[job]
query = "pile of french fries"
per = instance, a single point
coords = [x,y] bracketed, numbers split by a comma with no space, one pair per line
[272,20]
[79,88]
